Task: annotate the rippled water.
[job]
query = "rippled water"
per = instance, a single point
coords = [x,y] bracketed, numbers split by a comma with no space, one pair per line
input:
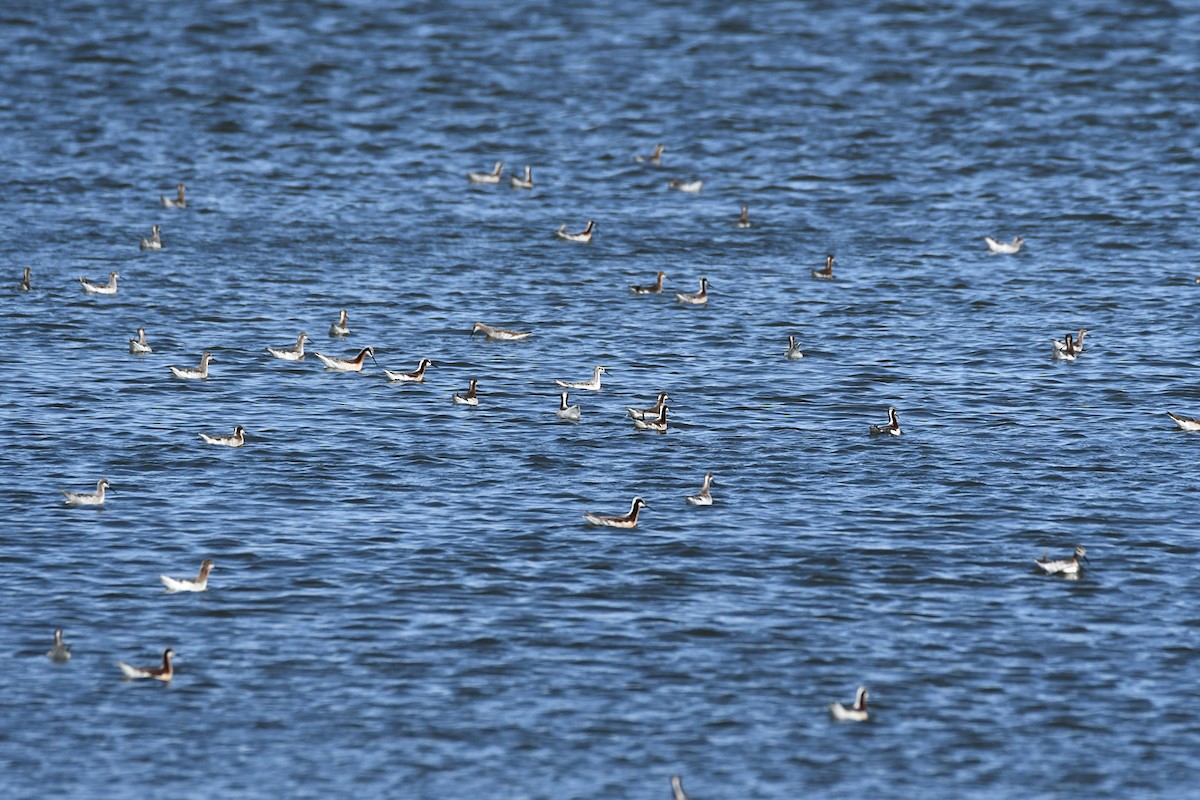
[406,602]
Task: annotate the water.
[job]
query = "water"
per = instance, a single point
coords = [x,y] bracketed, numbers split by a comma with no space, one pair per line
[406,602]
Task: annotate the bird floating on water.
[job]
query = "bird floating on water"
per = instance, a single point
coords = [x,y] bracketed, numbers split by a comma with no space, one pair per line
[1186,423]
[61,653]
[677,788]
[416,376]
[793,349]
[154,242]
[1065,566]
[649,413]
[584,235]
[200,374]
[892,428]
[744,220]
[688,187]
[341,327]
[618,521]
[95,498]
[591,385]
[825,274]
[1061,344]
[236,439]
[567,412]
[499,334]
[487,177]
[197,584]
[179,202]
[522,183]
[101,288]
[856,712]
[704,496]
[354,364]
[1004,247]
[658,424]
[654,288]
[654,159]
[1068,351]
[163,673]
[469,398]
[25,285]
[293,353]
[694,298]
[140,345]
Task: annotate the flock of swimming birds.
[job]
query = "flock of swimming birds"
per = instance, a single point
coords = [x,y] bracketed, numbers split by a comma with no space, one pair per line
[654,418]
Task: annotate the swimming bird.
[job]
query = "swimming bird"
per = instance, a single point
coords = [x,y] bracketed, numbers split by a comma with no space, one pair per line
[1004,247]
[347,364]
[1186,423]
[487,177]
[658,425]
[470,398]
[341,327]
[694,298]
[793,350]
[618,521]
[1068,351]
[417,376]
[856,712]
[61,653]
[95,498]
[179,202]
[236,439]
[688,187]
[567,412]
[499,334]
[101,288]
[827,273]
[200,374]
[584,235]
[140,345]
[154,242]
[592,385]
[744,219]
[1065,566]
[654,288]
[1062,344]
[294,353]
[704,496]
[655,159]
[649,413]
[163,673]
[25,285]
[892,427]
[522,183]
[197,584]
[677,788]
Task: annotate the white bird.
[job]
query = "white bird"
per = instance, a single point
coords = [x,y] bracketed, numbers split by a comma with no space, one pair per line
[1061,344]
[744,220]
[522,183]
[294,353]
[1186,423]
[1004,247]
[655,159]
[197,584]
[101,288]
[487,177]
[694,298]
[347,364]
[892,428]
[499,334]
[567,412]
[417,376]
[469,398]
[1068,351]
[856,712]
[25,285]
[236,439]
[1065,566]
[618,521]
[704,496]
[825,274]
[658,425]
[95,498]
[793,350]
[163,673]
[584,235]
[654,288]
[690,187]
[341,327]
[649,413]
[677,788]
[200,374]
[592,385]
[140,345]
[179,202]
[61,653]
[154,242]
